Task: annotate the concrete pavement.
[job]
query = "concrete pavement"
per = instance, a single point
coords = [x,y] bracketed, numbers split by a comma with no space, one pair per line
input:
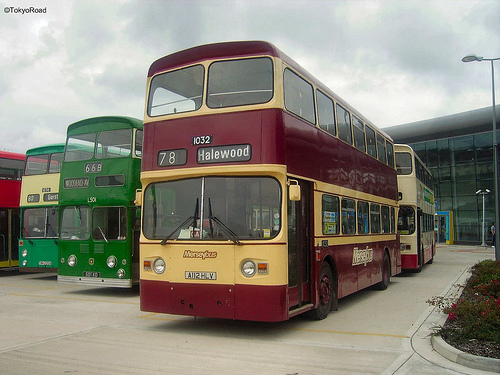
[51,328]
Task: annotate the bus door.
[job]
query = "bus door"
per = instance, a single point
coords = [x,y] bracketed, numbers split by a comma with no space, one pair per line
[299,247]
[420,255]
[9,237]
[136,235]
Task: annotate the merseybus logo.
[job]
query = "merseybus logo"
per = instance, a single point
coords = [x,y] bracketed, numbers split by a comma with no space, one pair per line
[362,256]
[200,254]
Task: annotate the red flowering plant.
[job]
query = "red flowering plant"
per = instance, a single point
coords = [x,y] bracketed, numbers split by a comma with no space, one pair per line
[474,320]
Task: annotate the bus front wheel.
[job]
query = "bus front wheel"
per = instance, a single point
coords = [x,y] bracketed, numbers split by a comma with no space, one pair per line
[327,292]
[386,274]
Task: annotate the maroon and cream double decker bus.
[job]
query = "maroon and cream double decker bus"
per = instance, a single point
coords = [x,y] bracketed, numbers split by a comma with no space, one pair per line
[264,195]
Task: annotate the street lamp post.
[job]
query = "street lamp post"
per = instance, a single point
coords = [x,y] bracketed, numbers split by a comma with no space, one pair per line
[470,58]
[483,193]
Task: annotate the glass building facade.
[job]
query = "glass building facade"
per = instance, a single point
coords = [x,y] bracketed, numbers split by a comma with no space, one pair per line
[460,167]
[458,150]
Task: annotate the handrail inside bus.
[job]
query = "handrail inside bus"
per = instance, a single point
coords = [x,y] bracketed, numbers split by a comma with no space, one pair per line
[238,92]
[3,241]
[177,101]
[102,234]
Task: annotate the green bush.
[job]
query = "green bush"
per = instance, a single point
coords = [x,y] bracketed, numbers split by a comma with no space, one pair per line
[476,315]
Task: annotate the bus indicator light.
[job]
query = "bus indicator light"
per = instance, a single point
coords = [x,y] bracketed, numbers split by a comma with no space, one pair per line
[147,265]
[262,268]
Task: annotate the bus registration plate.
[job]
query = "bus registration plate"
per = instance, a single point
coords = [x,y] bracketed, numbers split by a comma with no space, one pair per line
[196,275]
[91,274]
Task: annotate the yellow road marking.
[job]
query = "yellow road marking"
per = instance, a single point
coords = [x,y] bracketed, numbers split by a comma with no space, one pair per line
[158,316]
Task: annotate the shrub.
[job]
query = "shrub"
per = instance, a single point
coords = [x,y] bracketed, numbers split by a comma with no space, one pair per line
[476,314]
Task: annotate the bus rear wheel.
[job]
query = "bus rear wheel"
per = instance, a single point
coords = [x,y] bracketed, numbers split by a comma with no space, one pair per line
[327,292]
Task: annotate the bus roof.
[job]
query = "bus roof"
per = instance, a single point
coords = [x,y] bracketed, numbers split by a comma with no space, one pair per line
[242,49]
[12,155]
[47,149]
[80,127]
[214,51]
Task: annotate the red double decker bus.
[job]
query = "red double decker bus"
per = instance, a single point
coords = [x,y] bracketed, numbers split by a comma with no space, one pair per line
[11,171]
[265,195]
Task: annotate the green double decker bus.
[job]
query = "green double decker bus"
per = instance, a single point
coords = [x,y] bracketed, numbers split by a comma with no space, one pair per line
[99,222]
[38,243]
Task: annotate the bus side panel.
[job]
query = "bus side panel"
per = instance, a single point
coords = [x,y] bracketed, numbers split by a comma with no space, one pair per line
[348,275]
[333,161]
[11,192]
[355,277]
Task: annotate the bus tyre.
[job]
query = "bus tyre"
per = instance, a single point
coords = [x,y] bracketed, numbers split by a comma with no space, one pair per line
[386,274]
[420,260]
[432,255]
[327,294]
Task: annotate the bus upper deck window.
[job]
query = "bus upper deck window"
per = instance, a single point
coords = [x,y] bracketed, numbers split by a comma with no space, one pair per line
[177,91]
[240,82]
[403,163]
[114,143]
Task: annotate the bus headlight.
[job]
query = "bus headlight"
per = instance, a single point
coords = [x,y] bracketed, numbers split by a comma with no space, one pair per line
[25,262]
[72,260]
[25,253]
[120,273]
[111,261]
[248,268]
[159,265]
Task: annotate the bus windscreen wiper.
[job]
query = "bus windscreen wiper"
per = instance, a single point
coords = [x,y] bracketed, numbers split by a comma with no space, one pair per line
[102,234]
[232,236]
[195,217]
[48,227]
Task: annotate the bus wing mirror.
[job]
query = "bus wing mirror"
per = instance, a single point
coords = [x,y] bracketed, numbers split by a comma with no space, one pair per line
[293,190]
[138,198]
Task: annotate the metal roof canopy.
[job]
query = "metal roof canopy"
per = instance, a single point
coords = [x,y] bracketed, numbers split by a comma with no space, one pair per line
[460,124]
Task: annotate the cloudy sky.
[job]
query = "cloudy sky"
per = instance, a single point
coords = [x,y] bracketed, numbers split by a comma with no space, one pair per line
[395,61]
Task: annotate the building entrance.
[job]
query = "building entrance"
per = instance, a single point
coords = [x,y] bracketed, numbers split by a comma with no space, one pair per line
[444,227]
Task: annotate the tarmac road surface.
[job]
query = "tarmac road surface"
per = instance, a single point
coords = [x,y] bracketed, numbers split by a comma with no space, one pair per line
[51,328]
